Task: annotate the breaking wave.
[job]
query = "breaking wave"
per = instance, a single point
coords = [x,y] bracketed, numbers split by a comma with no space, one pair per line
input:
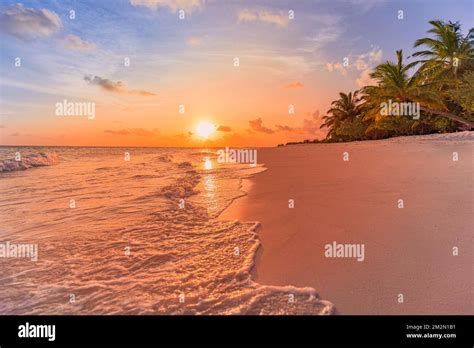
[182,188]
[31,161]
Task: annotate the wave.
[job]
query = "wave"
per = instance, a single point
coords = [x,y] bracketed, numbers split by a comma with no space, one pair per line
[41,159]
[107,168]
[271,299]
[166,158]
[185,165]
[182,188]
[182,259]
[145,176]
[226,286]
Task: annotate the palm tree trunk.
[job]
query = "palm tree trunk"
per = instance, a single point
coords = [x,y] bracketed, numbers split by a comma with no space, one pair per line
[465,122]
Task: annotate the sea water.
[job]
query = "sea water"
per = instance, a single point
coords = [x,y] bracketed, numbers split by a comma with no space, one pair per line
[131,231]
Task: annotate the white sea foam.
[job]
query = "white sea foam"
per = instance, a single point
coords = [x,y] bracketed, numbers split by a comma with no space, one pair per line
[40,159]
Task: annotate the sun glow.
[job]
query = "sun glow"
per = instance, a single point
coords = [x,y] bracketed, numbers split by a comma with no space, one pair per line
[204,129]
[207,163]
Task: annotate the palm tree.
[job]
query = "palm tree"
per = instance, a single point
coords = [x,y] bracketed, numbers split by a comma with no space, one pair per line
[346,108]
[395,83]
[446,53]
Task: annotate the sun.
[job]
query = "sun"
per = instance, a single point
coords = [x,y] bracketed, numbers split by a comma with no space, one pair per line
[204,129]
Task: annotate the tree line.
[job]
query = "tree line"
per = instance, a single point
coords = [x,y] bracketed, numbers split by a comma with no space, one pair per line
[438,83]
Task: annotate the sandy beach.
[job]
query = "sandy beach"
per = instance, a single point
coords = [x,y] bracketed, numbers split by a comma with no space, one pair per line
[408,251]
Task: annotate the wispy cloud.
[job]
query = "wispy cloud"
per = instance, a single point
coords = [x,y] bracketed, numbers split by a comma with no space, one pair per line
[365,60]
[363,6]
[133,131]
[310,125]
[362,61]
[365,63]
[285,128]
[224,129]
[257,126]
[108,85]
[28,23]
[172,5]
[195,41]
[328,29]
[336,67]
[279,19]
[115,87]
[75,43]
[295,85]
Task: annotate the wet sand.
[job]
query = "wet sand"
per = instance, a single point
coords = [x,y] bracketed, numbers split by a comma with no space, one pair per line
[408,251]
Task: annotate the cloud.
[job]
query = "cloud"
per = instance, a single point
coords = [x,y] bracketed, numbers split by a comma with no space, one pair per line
[363,61]
[312,125]
[5,112]
[108,85]
[257,126]
[318,41]
[365,79]
[140,92]
[361,65]
[195,41]
[295,85]
[133,131]
[182,136]
[292,63]
[115,87]
[376,55]
[28,23]
[309,126]
[224,129]
[336,67]
[363,6]
[75,43]
[173,5]
[284,128]
[279,19]
[325,29]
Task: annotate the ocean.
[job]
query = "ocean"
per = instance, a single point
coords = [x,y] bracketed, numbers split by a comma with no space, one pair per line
[131,231]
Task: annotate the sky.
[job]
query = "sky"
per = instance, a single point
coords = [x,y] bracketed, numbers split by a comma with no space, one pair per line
[158,72]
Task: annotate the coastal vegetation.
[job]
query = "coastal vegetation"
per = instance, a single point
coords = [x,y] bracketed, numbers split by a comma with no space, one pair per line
[433,91]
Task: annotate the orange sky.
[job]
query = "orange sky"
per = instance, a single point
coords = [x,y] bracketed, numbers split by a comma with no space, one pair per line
[189,61]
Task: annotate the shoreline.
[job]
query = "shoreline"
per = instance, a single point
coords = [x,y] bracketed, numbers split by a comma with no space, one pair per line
[291,253]
[313,302]
[429,135]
